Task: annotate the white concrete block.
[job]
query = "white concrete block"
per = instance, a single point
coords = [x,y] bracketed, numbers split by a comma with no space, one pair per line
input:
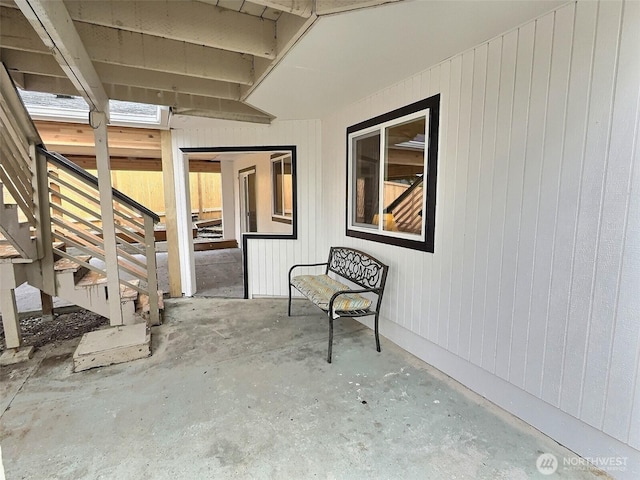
[119,344]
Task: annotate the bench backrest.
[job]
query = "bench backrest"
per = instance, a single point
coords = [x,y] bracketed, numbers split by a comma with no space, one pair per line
[358,267]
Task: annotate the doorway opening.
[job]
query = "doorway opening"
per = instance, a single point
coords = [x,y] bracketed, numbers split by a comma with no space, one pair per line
[248,203]
[258,197]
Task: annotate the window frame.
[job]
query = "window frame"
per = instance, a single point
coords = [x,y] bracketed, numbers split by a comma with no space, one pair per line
[276,217]
[429,109]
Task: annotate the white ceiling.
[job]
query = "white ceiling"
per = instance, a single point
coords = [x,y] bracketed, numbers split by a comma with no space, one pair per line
[348,56]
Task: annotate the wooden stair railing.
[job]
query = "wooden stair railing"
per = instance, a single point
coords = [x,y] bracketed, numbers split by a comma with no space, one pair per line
[407,208]
[16,176]
[76,221]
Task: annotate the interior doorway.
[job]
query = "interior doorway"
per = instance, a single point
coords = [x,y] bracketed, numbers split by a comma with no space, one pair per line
[258,191]
[248,203]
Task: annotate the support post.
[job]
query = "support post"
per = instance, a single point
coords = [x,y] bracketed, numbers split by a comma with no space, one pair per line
[152,275]
[10,319]
[44,238]
[98,121]
[171,221]
[47,305]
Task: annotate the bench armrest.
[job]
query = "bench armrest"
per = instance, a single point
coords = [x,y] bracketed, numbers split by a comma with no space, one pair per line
[306,265]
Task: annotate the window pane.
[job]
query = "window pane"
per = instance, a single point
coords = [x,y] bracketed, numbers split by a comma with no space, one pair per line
[287,188]
[282,187]
[403,177]
[366,154]
[277,188]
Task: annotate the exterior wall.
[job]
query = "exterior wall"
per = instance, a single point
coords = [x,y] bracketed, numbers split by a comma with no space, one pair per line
[270,260]
[531,298]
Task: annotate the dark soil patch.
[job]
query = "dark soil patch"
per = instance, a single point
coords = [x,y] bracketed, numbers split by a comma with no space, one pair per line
[37,331]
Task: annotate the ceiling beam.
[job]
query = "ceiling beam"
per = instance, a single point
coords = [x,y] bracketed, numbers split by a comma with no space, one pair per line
[34,63]
[301,8]
[180,102]
[197,23]
[328,7]
[54,26]
[42,64]
[138,77]
[129,49]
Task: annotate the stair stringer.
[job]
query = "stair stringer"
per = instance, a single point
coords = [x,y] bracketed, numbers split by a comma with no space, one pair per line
[91,297]
[17,233]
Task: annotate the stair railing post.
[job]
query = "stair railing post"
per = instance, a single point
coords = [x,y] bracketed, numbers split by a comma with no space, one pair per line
[44,239]
[152,274]
[98,121]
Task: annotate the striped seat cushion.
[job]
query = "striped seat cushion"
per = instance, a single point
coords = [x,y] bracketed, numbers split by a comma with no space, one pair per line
[320,288]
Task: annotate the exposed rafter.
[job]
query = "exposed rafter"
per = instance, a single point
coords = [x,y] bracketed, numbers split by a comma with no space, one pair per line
[52,23]
[180,102]
[45,65]
[301,8]
[199,24]
[129,49]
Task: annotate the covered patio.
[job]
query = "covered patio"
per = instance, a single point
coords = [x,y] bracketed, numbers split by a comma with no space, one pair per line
[511,316]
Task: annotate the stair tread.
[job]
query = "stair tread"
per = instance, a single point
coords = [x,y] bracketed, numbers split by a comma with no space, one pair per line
[128,293]
[92,278]
[68,265]
[8,251]
[143,301]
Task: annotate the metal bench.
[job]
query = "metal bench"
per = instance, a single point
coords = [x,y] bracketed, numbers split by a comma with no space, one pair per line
[340,300]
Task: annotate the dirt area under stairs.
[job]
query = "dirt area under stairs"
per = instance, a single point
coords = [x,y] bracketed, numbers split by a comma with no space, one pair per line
[38,331]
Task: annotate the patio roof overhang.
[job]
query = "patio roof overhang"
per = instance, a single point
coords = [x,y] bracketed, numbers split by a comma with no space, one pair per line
[200,58]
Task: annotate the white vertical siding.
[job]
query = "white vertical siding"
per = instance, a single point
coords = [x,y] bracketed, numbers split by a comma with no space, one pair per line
[536,273]
[269,260]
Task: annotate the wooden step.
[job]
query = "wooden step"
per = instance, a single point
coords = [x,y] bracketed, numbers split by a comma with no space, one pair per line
[92,278]
[8,254]
[68,265]
[128,293]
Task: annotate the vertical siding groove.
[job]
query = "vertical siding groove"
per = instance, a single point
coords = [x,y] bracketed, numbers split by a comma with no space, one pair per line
[499,258]
[519,221]
[536,363]
[566,357]
[600,422]
[475,348]
[562,384]
[556,215]
[508,150]
[594,258]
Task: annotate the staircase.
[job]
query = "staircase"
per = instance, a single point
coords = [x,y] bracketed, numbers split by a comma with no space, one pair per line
[52,237]
[407,208]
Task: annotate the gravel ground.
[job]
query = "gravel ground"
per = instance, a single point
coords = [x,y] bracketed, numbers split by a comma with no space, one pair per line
[37,332]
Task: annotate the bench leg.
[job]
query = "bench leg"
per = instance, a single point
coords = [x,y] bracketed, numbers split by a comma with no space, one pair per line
[330,339]
[377,335]
[289,310]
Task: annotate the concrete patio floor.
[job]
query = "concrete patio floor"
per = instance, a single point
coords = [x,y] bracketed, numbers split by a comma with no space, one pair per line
[236,389]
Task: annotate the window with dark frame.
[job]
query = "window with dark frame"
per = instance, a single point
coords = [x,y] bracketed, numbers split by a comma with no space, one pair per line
[391,176]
